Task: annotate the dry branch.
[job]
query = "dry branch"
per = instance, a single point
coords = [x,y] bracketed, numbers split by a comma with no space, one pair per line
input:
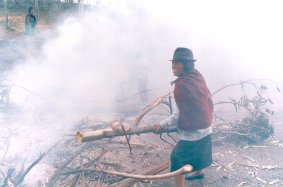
[152,105]
[56,175]
[84,136]
[184,170]
[21,178]
[151,171]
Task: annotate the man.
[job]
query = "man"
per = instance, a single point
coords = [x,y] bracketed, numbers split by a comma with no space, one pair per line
[30,22]
[193,117]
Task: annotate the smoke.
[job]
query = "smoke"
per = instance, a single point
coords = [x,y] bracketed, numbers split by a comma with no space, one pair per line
[124,47]
[82,70]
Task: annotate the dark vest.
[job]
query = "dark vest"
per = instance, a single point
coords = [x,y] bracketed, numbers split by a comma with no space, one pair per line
[194,102]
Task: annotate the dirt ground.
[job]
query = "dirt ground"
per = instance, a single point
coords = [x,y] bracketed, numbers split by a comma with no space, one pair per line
[234,164]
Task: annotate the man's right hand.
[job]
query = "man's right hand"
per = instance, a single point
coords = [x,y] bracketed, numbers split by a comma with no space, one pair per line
[157,128]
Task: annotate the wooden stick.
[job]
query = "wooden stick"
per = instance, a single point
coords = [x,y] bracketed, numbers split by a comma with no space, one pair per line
[150,171]
[84,136]
[185,169]
[152,105]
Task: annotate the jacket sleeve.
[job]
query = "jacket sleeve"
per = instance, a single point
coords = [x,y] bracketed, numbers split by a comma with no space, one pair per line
[172,120]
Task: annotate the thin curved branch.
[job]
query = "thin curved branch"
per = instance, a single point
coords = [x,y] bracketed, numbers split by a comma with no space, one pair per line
[222,88]
[152,105]
[136,94]
[168,134]
[234,103]
[181,171]
[251,81]
[128,141]
[4,154]
[56,175]
[161,137]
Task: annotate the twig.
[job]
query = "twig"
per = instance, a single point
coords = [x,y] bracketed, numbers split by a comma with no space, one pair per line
[235,104]
[75,180]
[55,176]
[168,134]
[245,82]
[136,94]
[5,154]
[147,109]
[128,142]
[83,173]
[20,179]
[160,136]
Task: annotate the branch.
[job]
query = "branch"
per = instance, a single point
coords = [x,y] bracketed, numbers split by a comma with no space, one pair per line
[56,175]
[20,179]
[84,136]
[152,105]
[151,171]
[181,171]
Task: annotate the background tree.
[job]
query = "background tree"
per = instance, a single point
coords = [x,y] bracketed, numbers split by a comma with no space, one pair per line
[6,14]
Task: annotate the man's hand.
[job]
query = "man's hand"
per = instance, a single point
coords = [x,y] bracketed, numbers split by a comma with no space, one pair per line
[157,128]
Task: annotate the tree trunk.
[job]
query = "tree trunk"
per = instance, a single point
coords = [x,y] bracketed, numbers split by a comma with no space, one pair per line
[81,7]
[6,14]
[36,9]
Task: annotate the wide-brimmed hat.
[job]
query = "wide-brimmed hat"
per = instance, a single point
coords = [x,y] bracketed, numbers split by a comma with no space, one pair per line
[182,54]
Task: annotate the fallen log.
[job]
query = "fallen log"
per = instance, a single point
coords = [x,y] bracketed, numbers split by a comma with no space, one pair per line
[151,171]
[84,136]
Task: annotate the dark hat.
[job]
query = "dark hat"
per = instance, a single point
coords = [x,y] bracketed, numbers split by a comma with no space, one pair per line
[182,54]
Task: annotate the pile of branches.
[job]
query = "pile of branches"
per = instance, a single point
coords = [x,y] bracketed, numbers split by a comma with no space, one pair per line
[255,129]
[256,125]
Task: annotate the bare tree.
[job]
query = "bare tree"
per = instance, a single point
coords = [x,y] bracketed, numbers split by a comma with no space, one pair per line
[36,9]
[81,7]
[6,14]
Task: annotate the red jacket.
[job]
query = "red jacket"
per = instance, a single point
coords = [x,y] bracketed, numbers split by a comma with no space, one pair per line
[194,102]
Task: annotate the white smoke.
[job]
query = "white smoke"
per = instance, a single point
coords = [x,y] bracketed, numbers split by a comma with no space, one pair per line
[124,47]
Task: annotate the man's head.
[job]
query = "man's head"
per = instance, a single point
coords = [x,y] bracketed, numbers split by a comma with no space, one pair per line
[183,61]
[30,10]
